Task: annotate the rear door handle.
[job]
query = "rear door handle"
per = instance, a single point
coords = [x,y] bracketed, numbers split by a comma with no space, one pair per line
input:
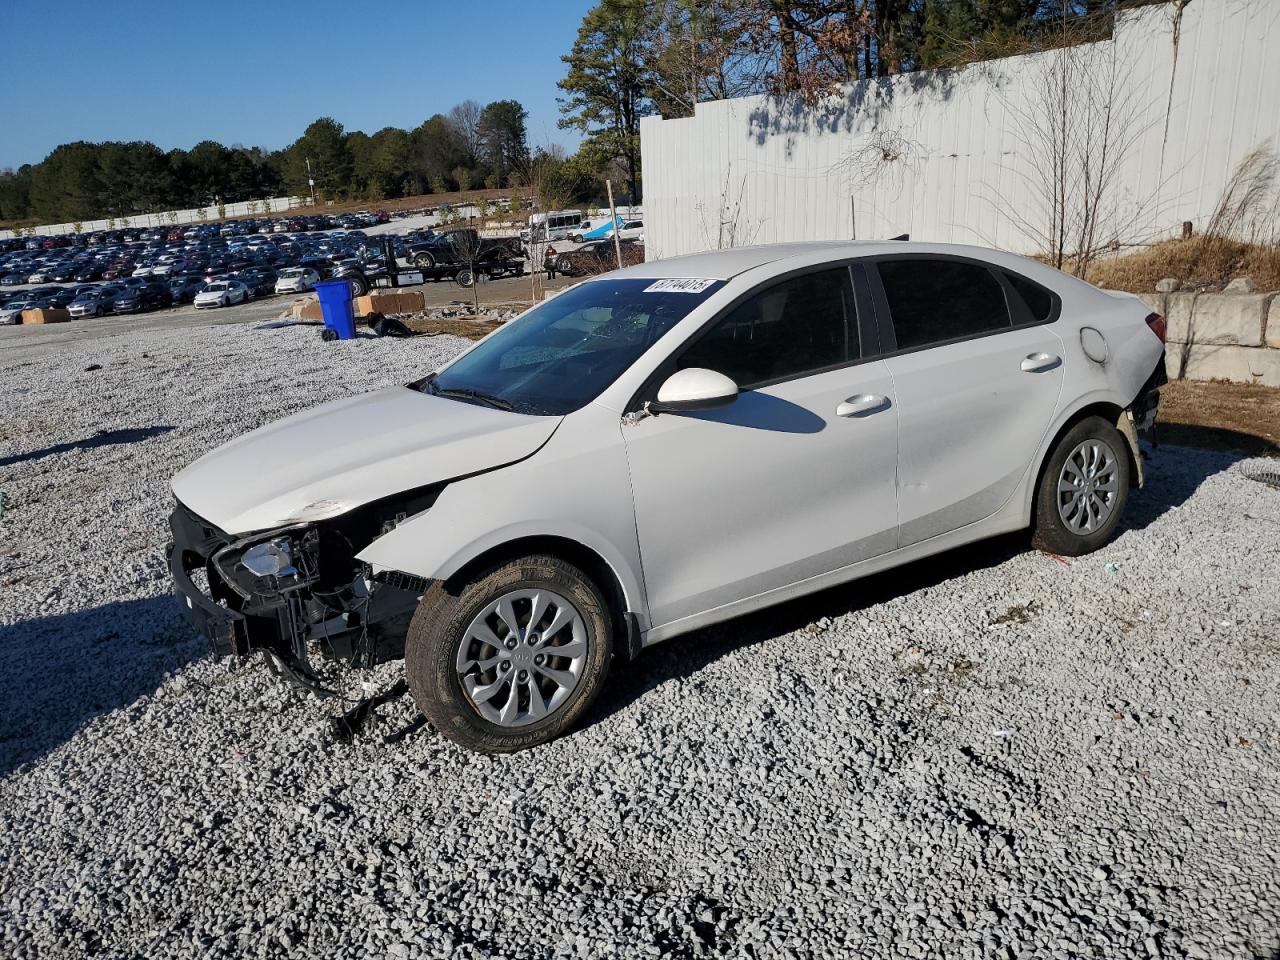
[1037,362]
[862,405]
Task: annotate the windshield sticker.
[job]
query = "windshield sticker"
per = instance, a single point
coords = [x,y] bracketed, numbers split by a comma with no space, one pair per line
[678,286]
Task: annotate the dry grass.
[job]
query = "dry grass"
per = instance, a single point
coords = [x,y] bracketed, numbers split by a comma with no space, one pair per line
[1199,263]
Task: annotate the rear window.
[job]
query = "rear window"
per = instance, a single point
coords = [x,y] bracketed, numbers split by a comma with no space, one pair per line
[936,300]
[1038,300]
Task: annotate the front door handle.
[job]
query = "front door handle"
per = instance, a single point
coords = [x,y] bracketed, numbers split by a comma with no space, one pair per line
[862,405]
[1037,362]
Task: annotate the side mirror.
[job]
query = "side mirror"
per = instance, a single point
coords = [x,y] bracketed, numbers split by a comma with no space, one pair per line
[694,389]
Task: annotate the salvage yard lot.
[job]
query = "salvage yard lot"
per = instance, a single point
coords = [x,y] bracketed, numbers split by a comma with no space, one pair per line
[996,753]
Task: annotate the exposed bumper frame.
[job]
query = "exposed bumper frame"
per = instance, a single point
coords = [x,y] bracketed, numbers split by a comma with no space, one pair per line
[223,628]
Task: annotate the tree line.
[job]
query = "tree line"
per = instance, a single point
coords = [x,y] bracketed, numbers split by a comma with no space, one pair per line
[471,146]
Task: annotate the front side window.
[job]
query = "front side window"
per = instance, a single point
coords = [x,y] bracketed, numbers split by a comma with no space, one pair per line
[801,325]
[566,351]
[932,301]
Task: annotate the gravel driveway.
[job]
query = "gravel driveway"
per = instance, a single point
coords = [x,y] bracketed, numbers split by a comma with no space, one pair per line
[994,754]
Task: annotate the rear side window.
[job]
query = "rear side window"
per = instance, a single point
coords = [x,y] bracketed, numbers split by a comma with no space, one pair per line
[791,328]
[932,301]
[1038,300]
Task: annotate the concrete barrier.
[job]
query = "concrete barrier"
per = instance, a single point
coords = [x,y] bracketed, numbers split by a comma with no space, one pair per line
[1222,336]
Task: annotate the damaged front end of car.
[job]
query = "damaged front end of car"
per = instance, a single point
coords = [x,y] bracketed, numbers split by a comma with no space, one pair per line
[297,590]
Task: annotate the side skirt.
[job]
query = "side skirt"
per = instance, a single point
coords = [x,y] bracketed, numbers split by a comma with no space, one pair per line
[1005,521]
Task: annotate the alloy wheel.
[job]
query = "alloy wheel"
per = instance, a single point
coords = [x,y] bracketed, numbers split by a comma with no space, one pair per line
[1087,486]
[522,656]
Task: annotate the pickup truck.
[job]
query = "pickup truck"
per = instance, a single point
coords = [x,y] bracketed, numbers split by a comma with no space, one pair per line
[463,254]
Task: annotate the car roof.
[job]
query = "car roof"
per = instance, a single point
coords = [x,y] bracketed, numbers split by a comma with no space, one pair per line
[727,264]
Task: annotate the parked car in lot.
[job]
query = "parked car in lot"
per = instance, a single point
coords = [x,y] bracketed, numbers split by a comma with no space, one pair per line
[97,302]
[296,280]
[150,296]
[750,425]
[598,256]
[11,310]
[259,280]
[184,288]
[221,293]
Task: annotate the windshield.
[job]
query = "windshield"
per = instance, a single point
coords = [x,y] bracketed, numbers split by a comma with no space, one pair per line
[563,353]
[215,287]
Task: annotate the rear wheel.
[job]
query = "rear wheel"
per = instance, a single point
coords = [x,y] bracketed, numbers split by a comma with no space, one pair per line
[359,285]
[513,658]
[1083,489]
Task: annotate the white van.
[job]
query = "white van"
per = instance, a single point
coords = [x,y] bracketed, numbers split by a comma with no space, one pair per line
[555,225]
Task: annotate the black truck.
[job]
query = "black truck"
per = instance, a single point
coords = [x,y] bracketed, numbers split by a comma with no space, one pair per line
[463,254]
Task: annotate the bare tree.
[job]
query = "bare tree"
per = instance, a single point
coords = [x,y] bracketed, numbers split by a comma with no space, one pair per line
[1077,120]
[465,120]
[726,226]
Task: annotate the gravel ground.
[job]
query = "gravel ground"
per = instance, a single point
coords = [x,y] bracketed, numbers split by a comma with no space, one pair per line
[994,754]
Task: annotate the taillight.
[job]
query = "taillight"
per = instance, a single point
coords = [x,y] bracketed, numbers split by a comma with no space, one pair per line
[1158,325]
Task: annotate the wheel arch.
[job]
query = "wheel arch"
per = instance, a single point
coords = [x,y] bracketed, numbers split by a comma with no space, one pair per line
[593,564]
[1108,410]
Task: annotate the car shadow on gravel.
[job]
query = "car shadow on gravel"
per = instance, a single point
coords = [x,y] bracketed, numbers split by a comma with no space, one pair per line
[61,671]
[685,656]
[1173,475]
[103,438]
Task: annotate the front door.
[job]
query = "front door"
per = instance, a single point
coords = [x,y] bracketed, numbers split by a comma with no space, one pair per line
[795,478]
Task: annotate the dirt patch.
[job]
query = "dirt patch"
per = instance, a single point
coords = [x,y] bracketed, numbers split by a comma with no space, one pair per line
[1199,263]
[470,327]
[1018,613]
[1216,415]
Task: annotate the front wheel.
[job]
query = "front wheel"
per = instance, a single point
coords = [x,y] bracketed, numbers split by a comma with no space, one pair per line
[465,277]
[513,658]
[1083,489]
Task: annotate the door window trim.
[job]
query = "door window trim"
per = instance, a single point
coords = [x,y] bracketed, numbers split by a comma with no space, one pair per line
[1019,313]
[869,342]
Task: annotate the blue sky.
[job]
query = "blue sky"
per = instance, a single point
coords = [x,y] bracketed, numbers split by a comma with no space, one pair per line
[257,73]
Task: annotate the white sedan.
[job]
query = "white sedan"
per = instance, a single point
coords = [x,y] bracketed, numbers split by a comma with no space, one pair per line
[296,280]
[222,293]
[666,447]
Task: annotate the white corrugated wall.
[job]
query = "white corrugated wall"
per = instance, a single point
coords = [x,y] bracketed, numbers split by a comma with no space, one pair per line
[964,167]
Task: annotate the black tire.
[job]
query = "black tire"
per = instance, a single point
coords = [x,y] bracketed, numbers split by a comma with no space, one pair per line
[424,261]
[328,335]
[1049,531]
[564,265]
[440,624]
[465,277]
[359,286]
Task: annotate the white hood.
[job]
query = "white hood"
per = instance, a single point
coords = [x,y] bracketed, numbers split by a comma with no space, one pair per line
[350,452]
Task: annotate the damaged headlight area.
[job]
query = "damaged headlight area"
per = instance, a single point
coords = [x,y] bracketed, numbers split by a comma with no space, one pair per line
[299,587]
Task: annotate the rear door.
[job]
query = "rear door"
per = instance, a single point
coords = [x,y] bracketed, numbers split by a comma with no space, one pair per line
[977,378]
[793,479]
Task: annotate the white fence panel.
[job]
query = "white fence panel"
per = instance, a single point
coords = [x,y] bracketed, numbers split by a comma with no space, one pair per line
[955,155]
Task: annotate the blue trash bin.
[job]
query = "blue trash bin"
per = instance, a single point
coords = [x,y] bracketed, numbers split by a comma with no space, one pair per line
[335,306]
